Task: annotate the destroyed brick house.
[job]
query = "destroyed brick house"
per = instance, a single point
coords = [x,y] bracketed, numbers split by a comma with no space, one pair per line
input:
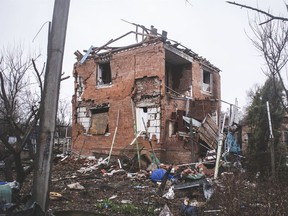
[152,95]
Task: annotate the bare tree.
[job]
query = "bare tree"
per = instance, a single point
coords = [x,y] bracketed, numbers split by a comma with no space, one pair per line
[21,91]
[269,16]
[64,113]
[270,38]
[19,102]
[271,41]
[63,123]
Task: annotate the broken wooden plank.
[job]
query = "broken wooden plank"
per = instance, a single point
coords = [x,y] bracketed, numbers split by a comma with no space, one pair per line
[114,136]
[208,132]
[135,133]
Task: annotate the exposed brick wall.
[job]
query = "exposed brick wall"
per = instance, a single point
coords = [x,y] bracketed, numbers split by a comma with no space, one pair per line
[204,102]
[126,67]
[197,83]
[143,63]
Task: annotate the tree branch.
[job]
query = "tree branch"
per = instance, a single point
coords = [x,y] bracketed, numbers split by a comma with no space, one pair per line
[64,78]
[271,16]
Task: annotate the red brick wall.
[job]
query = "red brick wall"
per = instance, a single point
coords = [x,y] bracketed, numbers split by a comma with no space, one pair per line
[126,66]
[197,82]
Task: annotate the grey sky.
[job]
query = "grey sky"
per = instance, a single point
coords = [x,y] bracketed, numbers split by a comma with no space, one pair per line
[211,28]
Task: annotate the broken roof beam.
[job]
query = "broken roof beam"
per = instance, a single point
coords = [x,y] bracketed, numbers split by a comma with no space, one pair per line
[137,25]
[127,47]
[178,52]
[78,55]
[150,32]
[104,48]
[97,49]
[86,55]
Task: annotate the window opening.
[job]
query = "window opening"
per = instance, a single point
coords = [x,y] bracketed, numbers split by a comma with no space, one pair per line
[142,118]
[207,78]
[177,76]
[99,121]
[104,74]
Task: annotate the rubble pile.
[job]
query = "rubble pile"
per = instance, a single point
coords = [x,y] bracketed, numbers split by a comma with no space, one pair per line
[184,189]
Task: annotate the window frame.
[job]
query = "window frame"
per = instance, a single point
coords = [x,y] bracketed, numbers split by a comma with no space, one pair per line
[103,68]
[205,86]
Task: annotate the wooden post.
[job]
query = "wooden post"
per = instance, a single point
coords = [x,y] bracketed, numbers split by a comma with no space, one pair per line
[49,104]
[114,136]
[219,148]
[135,133]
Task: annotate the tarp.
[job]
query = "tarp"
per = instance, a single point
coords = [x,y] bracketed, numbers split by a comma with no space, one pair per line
[232,144]
[158,174]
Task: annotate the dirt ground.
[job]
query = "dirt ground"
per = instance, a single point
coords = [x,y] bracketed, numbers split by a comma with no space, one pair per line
[103,189]
[120,193]
[109,190]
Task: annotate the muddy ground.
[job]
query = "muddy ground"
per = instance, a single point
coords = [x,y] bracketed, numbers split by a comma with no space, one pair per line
[120,193]
[109,190]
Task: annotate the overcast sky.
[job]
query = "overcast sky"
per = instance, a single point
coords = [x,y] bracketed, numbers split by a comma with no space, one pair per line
[212,28]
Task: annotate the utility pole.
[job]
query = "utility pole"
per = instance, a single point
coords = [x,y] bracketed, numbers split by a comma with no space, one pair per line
[49,104]
[271,143]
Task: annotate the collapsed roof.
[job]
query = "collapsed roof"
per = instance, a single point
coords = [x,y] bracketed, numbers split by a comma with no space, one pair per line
[143,37]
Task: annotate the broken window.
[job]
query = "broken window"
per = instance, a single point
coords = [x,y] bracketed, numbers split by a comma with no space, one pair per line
[104,74]
[99,120]
[207,80]
[178,74]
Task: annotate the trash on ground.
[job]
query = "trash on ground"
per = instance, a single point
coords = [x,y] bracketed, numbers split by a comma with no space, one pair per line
[75,186]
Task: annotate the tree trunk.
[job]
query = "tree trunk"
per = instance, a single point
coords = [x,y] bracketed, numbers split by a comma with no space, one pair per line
[19,168]
[8,168]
